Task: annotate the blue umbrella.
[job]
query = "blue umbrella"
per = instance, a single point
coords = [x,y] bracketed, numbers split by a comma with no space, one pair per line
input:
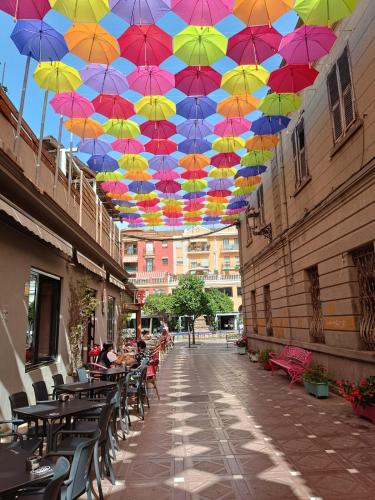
[141,187]
[196,108]
[268,125]
[251,171]
[102,163]
[134,225]
[94,147]
[194,195]
[194,146]
[237,204]
[195,129]
[211,219]
[163,163]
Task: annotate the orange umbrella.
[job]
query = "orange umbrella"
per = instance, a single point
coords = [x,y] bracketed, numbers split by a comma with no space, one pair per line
[217,199]
[87,128]
[92,43]
[262,142]
[138,175]
[237,105]
[247,181]
[255,12]
[194,162]
[120,197]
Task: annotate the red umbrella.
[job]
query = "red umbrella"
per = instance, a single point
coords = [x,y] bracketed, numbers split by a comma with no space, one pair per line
[193,205]
[225,160]
[194,174]
[128,146]
[145,45]
[161,147]
[158,129]
[254,44]
[113,106]
[219,193]
[26,9]
[192,219]
[172,214]
[292,78]
[198,80]
[168,186]
[148,203]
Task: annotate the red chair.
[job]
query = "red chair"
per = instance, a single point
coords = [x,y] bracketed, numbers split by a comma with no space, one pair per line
[151,377]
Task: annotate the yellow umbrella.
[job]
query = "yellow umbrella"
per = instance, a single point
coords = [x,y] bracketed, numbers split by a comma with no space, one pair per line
[245,79]
[237,105]
[133,162]
[262,142]
[145,196]
[228,144]
[87,128]
[56,76]
[254,12]
[83,11]
[216,206]
[92,43]
[194,161]
[126,210]
[137,175]
[152,215]
[155,107]
[109,176]
[222,173]
[122,129]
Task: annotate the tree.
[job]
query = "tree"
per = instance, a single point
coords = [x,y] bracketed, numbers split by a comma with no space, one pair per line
[190,299]
[217,302]
[158,304]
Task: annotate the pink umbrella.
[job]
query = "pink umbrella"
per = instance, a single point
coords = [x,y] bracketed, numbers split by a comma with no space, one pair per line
[114,187]
[307,44]
[161,129]
[72,104]
[128,146]
[198,80]
[161,147]
[26,9]
[166,175]
[168,186]
[151,80]
[173,222]
[151,210]
[254,44]
[231,127]
[202,12]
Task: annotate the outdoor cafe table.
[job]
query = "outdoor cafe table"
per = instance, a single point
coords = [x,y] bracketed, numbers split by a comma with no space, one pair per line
[77,388]
[51,411]
[113,373]
[13,473]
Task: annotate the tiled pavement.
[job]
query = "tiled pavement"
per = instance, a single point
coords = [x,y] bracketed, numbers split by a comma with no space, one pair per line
[226,429]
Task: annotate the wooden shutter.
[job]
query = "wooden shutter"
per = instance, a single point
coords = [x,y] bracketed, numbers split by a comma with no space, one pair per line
[296,166]
[260,201]
[304,171]
[334,101]
[346,89]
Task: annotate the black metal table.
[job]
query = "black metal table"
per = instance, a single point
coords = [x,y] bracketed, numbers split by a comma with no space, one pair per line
[80,387]
[110,373]
[51,411]
[13,473]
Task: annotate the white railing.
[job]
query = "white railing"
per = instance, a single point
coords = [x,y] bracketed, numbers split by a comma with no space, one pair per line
[168,279]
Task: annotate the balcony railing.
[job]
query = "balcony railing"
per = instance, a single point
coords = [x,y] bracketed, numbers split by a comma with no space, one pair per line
[148,279]
[230,248]
[199,248]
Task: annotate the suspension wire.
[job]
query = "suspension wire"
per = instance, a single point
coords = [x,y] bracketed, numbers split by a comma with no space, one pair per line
[184,238]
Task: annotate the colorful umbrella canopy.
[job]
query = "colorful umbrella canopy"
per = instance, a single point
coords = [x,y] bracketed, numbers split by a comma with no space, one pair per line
[160,146]
[228,144]
[223,160]
[193,146]
[194,185]
[237,105]
[56,76]
[128,146]
[268,125]
[166,175]
[139,175]
[87,128]
[170,186]
[194,161]
[113,106]
[102,163]
[195,129]
[120,196]
[39,40]
[122,129]
[232,127]
[155,107]
[253,12]
[163,163]
[199,45]
[198,80]
[244,79]
[262,142]
[92,43]
[140,12]
[94,147]
[109,176]
[219,192]
[151,80]
[194,174]
[26,9]
[246,182]
[251,171]
[161,129]
[82,11]
[280,104]
[141,187]
[292,78]
[307,44]
[72,105]
[196,107]
[145,45]
[148,203]
[254,44]
[221,184]
[222,173]
[114,187]
[324,12]
[194,195]
[104,79]
[133,162]
[202,12]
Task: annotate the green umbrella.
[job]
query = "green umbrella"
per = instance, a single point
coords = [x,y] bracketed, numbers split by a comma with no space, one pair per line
[324,12]
[193,185]
[256,158]
[280,104]
[200,45]
[122,129]
[109,176]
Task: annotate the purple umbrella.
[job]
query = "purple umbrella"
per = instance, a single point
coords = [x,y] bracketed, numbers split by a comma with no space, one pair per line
[141,187]
[102,163]
[220,184]
[140,11]
[94,147]
[104,79]
[196,107]
[194,146]
[195,195]
[163,163]
[210,219]
[134,216]
[237,204]
[195,129]
[122,203]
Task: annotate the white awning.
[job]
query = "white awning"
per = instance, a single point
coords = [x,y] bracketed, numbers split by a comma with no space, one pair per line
[35,226]
[117,282]
[91,266]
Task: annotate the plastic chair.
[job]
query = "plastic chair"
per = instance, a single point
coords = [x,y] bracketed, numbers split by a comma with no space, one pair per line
[151,377]
[135,385]
[82,374]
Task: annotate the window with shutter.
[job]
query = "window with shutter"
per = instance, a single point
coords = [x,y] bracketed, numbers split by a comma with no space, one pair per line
[260,201]
[346,89]
[299,153]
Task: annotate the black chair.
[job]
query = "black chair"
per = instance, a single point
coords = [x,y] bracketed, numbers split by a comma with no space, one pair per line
[52,490]
[13,439]
[20,400]
[58,379]
[41,392]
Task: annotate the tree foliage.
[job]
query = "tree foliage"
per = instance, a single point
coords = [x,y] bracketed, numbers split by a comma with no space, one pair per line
[217,302]
[159,304]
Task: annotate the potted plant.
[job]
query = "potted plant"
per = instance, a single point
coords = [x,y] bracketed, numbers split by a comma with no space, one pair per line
[253,356]
[264,358]
[361,396]
[241,345]
[315,380]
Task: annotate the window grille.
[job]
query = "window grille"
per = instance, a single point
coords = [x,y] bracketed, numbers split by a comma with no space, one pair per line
[268,310]
[316,324]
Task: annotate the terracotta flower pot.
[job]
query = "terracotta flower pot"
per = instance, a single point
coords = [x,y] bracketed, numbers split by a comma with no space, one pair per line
[365,411]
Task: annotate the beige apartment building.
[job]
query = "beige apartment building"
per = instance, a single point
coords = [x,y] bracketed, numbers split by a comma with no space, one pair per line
[307,241]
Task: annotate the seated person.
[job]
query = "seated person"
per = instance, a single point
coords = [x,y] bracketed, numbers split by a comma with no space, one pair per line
[135,360]
[108,357]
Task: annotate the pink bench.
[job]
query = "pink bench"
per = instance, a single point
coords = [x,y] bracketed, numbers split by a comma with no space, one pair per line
[293,360]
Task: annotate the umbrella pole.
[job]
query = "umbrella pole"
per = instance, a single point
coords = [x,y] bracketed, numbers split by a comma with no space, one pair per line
[58,155]
[22,105]
[41,134]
